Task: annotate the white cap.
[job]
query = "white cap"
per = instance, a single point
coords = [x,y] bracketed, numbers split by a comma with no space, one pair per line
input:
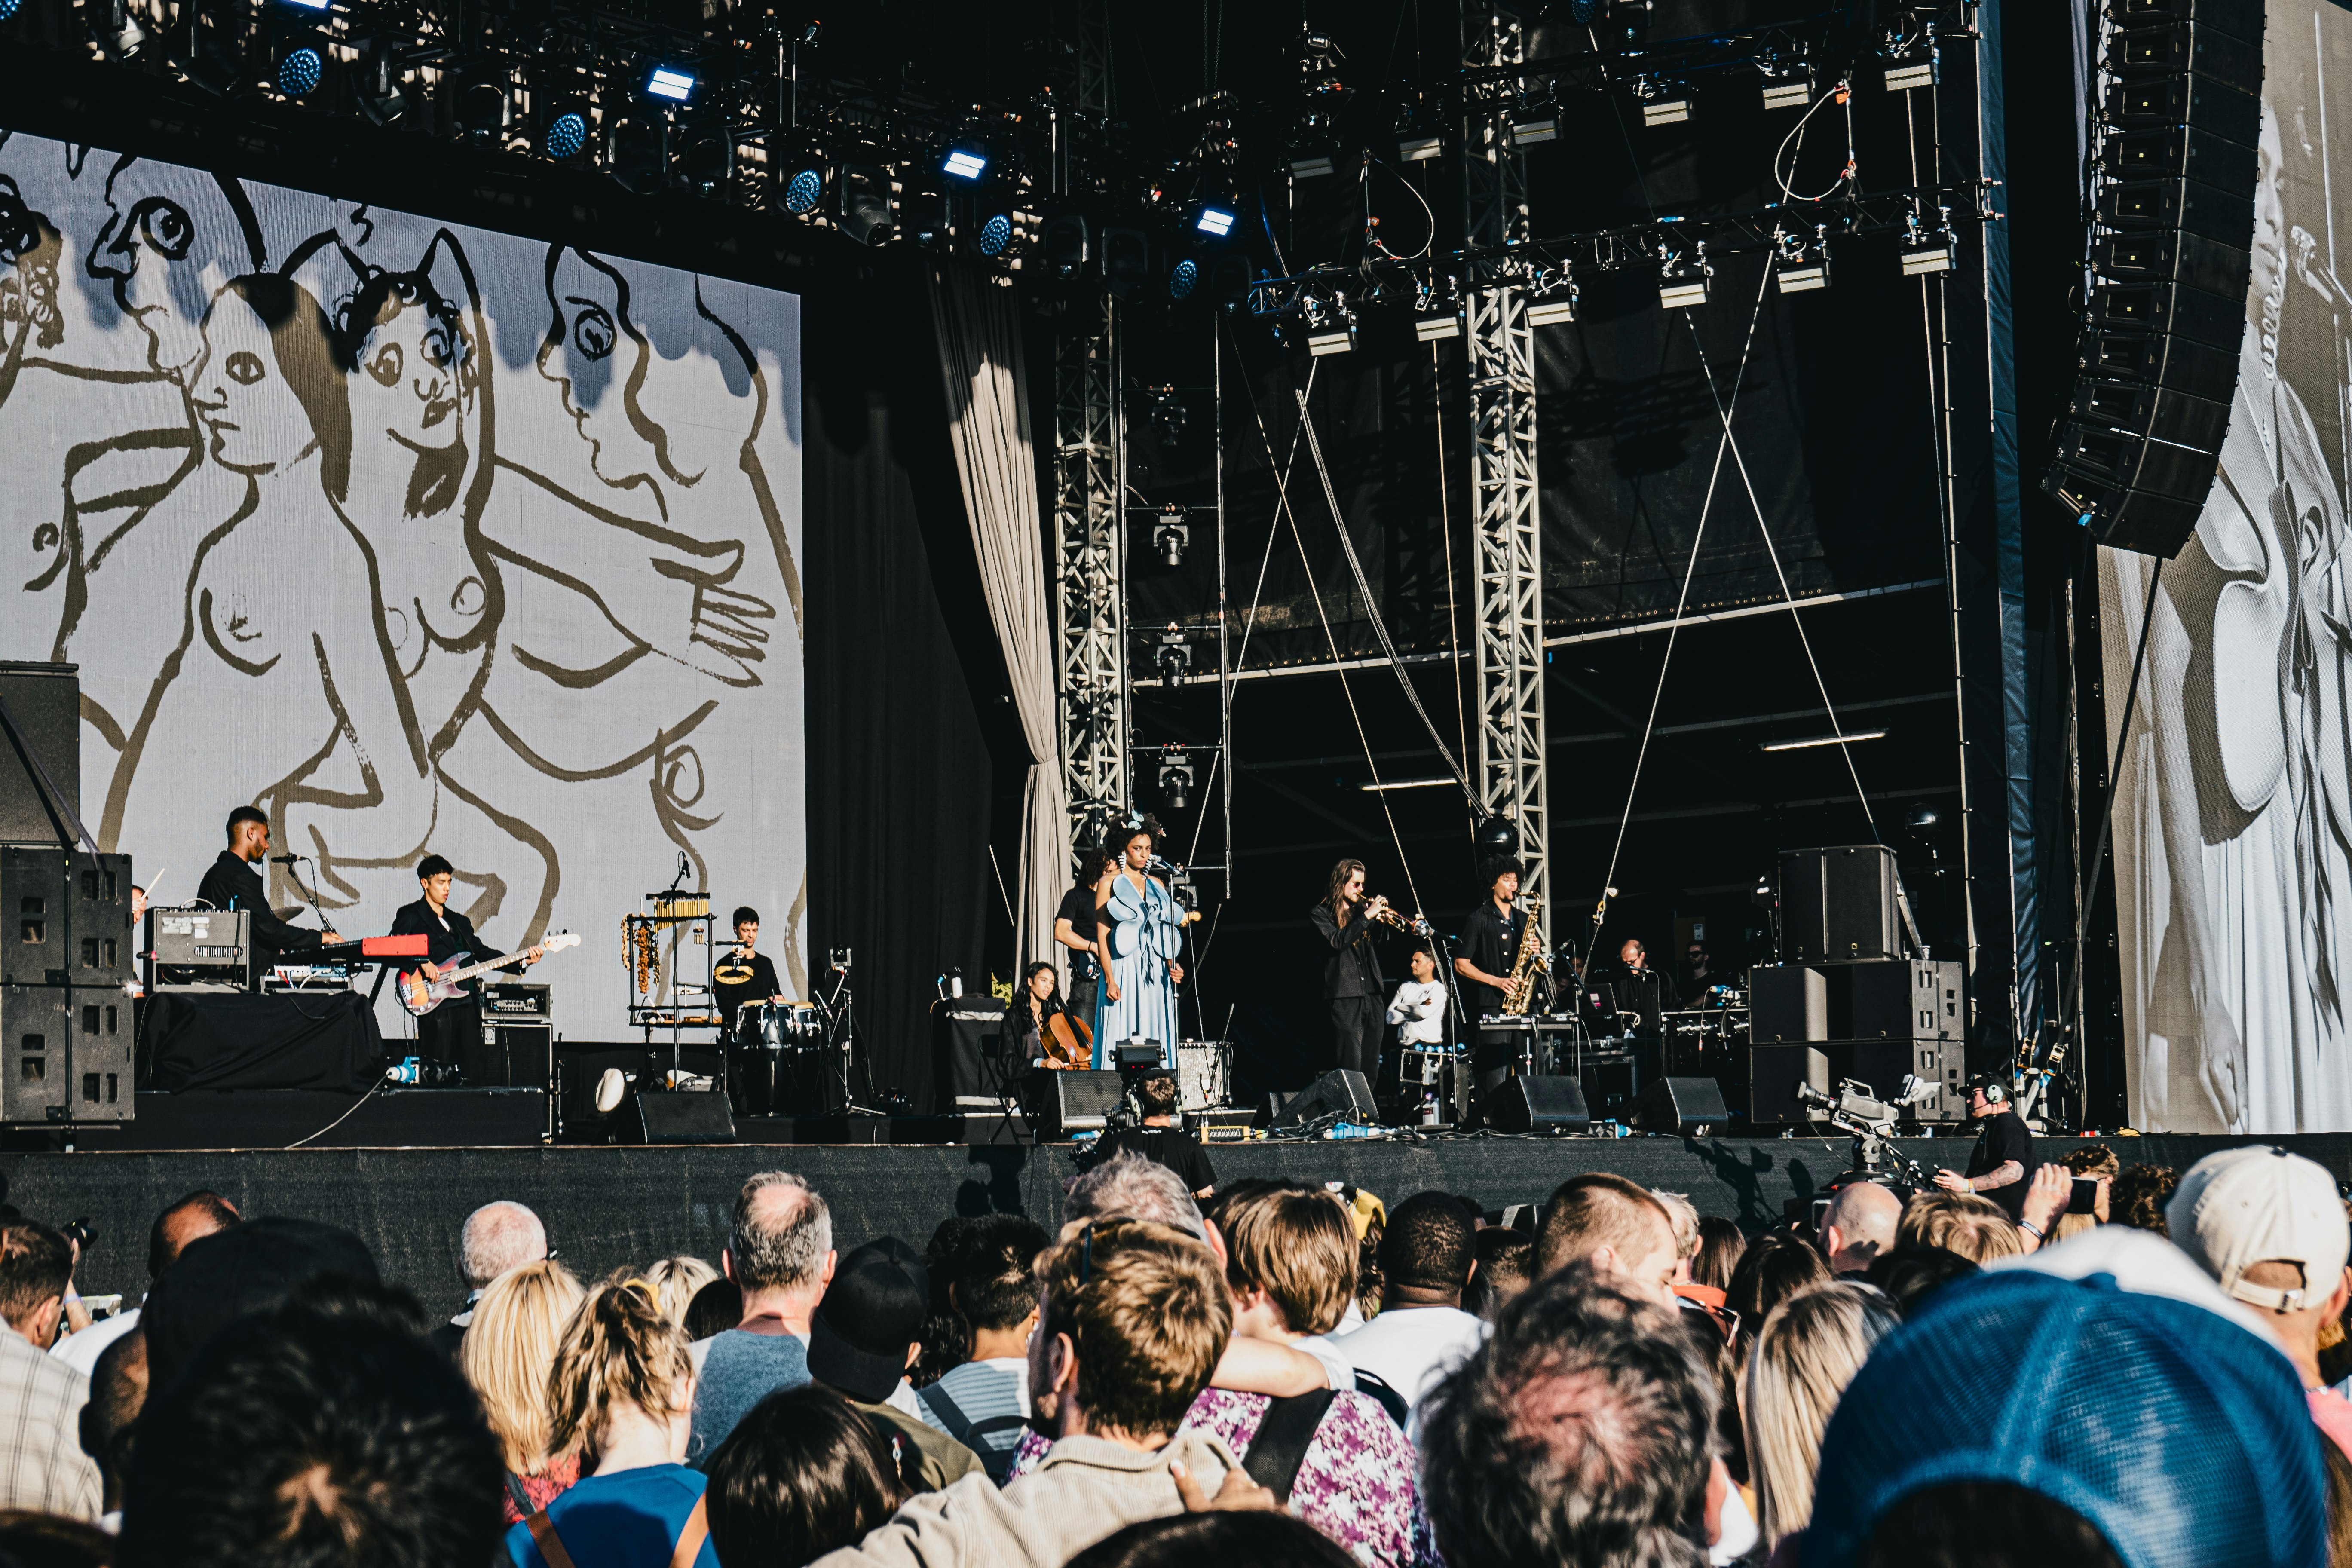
[2257,1205]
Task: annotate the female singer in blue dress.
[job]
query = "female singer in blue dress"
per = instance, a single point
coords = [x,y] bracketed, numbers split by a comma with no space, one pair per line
[1143,931]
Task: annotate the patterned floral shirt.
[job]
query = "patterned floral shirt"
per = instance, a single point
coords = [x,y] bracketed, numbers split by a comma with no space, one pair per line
[1359,1483]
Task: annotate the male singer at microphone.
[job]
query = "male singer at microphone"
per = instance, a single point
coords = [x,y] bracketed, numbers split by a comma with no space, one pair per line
[232,883]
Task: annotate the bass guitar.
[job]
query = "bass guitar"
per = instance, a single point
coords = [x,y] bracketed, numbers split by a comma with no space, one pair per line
[420,995]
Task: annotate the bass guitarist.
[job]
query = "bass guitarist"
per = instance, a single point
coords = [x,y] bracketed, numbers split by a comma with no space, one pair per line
[451,1032]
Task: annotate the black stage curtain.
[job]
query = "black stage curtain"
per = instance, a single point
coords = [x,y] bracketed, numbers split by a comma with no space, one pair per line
[907,711]
[231,1040]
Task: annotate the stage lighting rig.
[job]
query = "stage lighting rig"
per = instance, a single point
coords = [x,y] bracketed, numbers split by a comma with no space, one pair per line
[1551,299]
[1214,221]
[1683,284]
[1798,267]
[1926,250]
[966,162]
[1171,656]
[1663,103]
[671,84]
[1794,93]
[118,33]
[300,70]
[1175,777]
[376,84]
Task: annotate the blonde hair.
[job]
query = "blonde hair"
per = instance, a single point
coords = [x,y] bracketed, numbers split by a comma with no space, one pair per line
[1809,1349]
[1976,1228]
[674,1280]
[1684,1213]
[509,1350]
[1298,1245]
[1146,1309]
[618,1349]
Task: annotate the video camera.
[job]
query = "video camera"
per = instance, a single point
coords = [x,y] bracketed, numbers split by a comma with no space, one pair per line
[1856,1108]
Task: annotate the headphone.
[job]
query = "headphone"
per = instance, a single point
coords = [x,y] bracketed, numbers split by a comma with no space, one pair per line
[1994,1089]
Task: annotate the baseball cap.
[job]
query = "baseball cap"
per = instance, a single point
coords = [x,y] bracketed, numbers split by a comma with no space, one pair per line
[2177,1431]
[860,1332]
[2256,1204]
[238,1273]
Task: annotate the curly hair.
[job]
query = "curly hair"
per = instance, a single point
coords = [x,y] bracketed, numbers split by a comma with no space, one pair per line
[2138,1193]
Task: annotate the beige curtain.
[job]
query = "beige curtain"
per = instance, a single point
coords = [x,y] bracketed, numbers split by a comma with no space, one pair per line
[978,332]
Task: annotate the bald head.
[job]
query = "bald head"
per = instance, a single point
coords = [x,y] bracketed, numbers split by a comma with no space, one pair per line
[1858,1227]
[498,1238]
[193,1218]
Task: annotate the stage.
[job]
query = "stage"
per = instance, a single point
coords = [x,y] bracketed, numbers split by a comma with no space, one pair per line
[608,1207]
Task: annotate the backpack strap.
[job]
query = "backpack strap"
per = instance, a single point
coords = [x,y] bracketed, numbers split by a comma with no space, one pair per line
[550,1544]
[690,1539]
[1279,1445]
[936,1400]
[521,1498]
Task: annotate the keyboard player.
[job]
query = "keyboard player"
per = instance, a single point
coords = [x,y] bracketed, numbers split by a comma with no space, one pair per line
[232,883]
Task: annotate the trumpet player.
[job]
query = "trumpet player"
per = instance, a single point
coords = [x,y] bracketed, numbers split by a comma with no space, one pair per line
[1351,974]
[1490,941]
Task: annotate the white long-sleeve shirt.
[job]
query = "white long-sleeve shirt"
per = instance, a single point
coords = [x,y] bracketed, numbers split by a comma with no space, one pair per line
[1420,1007]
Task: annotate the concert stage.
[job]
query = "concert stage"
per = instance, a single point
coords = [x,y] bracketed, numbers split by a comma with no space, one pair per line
[605,1207]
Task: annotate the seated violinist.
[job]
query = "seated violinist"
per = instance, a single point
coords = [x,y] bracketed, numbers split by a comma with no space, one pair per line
[1041,1029]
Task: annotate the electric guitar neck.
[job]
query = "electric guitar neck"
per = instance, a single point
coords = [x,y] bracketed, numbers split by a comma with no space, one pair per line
[420,995]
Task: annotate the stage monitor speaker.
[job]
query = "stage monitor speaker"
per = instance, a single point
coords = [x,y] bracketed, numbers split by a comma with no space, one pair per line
[666,1116]
[1342,1092]
[66,917]
[1788,1001]
[1837,904]
[65,1053]
[1078,1099]
[45,701]
[1554,1106]
[1688,1106]
[1774,1073]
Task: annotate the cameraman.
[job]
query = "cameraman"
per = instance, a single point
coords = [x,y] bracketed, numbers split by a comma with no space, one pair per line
[2002,1163]
[1162,1137]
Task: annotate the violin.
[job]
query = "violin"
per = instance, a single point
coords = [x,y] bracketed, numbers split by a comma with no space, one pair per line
[1068,1040]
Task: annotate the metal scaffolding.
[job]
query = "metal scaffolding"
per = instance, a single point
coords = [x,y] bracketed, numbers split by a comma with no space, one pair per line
[1507,538]
[1090,565]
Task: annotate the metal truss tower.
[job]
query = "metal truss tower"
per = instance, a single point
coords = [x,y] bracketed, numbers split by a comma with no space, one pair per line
[1090,565]
[1505,533]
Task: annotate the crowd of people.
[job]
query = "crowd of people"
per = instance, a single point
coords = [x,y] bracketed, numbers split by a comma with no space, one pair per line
[1277,1371]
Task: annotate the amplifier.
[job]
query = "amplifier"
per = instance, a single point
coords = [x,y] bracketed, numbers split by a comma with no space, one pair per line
[509,999]
[199,937]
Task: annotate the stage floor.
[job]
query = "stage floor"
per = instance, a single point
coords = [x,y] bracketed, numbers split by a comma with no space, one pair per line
[610,1207]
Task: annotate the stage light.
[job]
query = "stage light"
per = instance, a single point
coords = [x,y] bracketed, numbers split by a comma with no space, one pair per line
[1127,255]
[309,4]
[1337,341]
[1922,816]
[1528,133]
[1917,73]
[1682,293]
[1549,312]
[995,235]
[1214,222]
[566,134]
[1810,740]
[1311,167]
[965,163]
[1788,94]
[1068,247]
[1181,281]
[869,214]
[1584,13]
[379,94]
[1421,149]
[118,33]
[1498,835]
[1169,539]
[299,72]
[1802,277]
[7,10]
[482,108]
[803,192]
[1175,777]
[1665,111]
[1388,785]
[1172,656]
[636,152]
[671,84]
[1935,256]
[1435,329]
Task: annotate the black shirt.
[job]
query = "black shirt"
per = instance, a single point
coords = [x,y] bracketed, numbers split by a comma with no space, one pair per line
[1353,969]
[1078,909]
[231,884]
[1025,1035]
[1490,941]
[2004,1138]
[447,934]
[1170,1146]
[1646,990]
[733,995]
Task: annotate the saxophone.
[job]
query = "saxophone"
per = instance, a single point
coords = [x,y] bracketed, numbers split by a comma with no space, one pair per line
[1532,960]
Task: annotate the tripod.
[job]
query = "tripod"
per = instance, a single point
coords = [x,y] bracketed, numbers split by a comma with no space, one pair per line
[841,1039]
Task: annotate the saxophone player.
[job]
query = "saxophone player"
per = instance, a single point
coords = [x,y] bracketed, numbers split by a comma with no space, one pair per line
[1490,941]
[1351,974]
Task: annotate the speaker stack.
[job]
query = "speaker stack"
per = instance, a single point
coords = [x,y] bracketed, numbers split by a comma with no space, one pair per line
[1877,1022]
[2177,124]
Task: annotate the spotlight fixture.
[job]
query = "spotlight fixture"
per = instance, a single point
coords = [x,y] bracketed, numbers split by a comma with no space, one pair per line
[7,10]
[1337,341]
[1437,328]
[567,133]
[1584,13]
[118,33]
[1172,656]
[299,72]
[1931,255]
[1682,293]
[482,108]
[1214,222]
[1420,148]
[965,163]
[1802,277]
[670,82]
[636,151]
[1848,738]
[1067,244]
[1309,168]
[1168,418]
[1549,312]
[1665,111]
[1169,538]
[1528,133]
[1792,94]
[1498,835]
[1181,280]
[380,97]
[1911,74]
[1922,816]
[1175,777]
[803,191]
[869,212]
[995,235]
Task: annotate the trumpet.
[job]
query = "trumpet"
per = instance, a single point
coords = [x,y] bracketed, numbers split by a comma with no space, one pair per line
[1382,910]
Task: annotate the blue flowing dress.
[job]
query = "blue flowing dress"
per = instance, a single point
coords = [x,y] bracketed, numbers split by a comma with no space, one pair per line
[1146,929]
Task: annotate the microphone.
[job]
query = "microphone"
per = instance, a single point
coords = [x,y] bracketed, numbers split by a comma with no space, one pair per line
[287,859]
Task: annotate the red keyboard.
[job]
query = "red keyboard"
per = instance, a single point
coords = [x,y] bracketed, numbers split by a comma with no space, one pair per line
[368,950]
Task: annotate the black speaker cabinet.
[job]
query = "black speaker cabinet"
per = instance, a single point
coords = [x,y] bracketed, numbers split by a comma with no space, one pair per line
[65,1053]
[1774,1073]
[1688,1106]
[1837,905]
[1788,1001]
[1077,1099]
[1905,999]
[1535,1104]
[68,917]
[45,701]
[1342,1092]
[666,1116]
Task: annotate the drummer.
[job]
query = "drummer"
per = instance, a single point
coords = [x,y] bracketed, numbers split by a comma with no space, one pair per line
[743,974]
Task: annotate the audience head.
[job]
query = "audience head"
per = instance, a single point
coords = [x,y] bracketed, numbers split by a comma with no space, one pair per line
[509,1350]
[1425,1254]
[1684,1216]
[1159,1093]
[994,1286]
[1775,1267]
[1133,1317]
[1290,1255]
[1721,1243]
[1977,1228]
[1259,1538]
[250,1269]
[36,1265]
[1580,1432]
[29,1540]
[1809,1350]
[1615,1226]
[800,1475]
[782,1240]
[2269,1227]
[716,1308]
[866,1331]
[118,1391]
[1859,1227]
[1505,1264]
[2138,1193]
[1910,1274]
[1128,1186]
[497,1238]
[2100,1402]
[326,1430]
[621,1360]
[677,1280]
[198,1215]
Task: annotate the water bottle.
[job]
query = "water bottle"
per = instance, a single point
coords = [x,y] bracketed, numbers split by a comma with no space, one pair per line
[1348,1130]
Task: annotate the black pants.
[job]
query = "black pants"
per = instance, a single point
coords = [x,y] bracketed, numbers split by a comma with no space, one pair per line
[453,1033]
[1356,1025]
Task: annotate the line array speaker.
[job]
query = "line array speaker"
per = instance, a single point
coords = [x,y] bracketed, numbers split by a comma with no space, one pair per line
[2177,121]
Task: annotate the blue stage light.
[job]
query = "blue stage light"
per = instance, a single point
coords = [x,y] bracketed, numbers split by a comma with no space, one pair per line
[566,135]
[298,73]
[7,9]
[995,235]
[1181,281]
[669,83]
[803,192]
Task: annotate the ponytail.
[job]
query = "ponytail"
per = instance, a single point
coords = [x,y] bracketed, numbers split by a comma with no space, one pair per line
[620,1348]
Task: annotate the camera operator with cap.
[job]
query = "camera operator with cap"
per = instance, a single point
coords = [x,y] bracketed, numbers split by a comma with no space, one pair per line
[2003,1162]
